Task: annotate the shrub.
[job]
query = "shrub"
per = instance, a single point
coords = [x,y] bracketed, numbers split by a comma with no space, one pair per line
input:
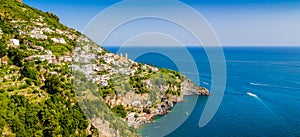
[120,110]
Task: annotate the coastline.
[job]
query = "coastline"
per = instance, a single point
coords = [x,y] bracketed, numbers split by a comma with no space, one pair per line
[167,104]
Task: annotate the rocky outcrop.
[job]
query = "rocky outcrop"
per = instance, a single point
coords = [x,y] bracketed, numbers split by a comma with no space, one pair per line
[103,126]
[189,88]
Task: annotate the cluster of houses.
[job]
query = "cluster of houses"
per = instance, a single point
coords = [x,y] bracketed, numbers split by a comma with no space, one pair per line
[52,59]
[48,56]
[101,79]
[90,71]
[114,64]
[40,30]
[137,119]
[37,33]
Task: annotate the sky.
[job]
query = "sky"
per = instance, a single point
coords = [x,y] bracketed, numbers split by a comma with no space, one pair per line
[235,22]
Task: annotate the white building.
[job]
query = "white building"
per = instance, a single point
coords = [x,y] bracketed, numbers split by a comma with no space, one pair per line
[59,40]
[154,69]
[47,30]
[65,59]
[15,42]
[136,103]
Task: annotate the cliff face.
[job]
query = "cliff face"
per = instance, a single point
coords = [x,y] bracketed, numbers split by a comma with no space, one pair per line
[41,66]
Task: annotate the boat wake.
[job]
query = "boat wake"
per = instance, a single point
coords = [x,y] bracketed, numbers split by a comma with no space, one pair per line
[254,95]
[258,84]
[205,83]
[274,115]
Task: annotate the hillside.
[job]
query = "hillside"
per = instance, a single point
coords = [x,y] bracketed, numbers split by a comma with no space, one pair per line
[49,73]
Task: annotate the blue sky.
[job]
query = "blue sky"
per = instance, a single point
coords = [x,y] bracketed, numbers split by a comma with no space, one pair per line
[236,22]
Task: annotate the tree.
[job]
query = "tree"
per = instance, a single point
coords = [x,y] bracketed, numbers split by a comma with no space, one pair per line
[120,110]
[53,84]
[16,56]
[29,71]
[3,50]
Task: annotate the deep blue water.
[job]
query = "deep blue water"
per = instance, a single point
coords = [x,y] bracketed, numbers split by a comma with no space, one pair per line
[271,73]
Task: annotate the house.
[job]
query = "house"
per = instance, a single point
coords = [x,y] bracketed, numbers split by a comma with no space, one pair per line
[144,67]
[122,71]
[47,30]
[105,77]
[4,61]
[15,42]
[59,31]
[96,68]
[74,67]
[154,69]
[70,37]
[113,71]
[65,59]
[86,69]
[147,82]
[48,52]
[136,103]
[39,24]
[95,79]
[36,47]
[53,73]
[103,83]
[22,32]
[39,48]
[54,60]
[84,39]
[108,59]
[59,40]
[68,59]
[131,119]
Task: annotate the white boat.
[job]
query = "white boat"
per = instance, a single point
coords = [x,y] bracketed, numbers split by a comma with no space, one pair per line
[251,94]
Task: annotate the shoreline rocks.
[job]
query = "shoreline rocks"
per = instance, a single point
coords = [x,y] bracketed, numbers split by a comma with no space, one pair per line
[168,101]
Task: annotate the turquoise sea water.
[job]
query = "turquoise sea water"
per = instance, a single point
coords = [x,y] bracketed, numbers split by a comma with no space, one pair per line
[270,74]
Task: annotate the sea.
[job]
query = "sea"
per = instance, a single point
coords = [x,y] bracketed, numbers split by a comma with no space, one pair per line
[261,97]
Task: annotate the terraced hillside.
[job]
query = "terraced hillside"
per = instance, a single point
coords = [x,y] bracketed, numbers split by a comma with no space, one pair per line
[49,72]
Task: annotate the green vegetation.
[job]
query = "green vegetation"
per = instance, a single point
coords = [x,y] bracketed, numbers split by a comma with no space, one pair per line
[53,84]
[29,71]
[16,56]
[3,50]
[20,117]
[172,79]
[94,106]
[34,102]
[120,110]
[138,86]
